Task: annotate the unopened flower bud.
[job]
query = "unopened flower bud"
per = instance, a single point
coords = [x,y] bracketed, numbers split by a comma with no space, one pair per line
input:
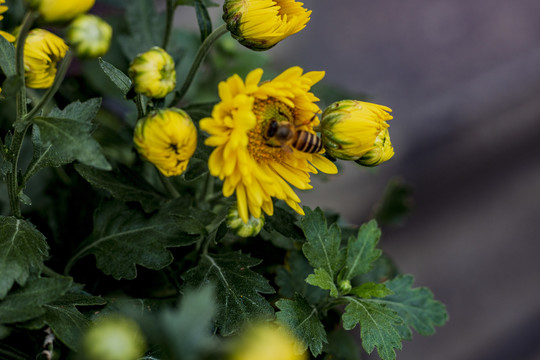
[259,25]
[240,228]
[153,73]
[345,286]
[89,36]
[166,138]
[350,128]
[60,10]
[381,152]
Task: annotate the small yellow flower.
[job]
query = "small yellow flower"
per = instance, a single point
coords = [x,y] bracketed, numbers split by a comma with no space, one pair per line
[267,341]
[261,24]
[349,128]
[166,138]
[90,36]
[237,225]
[42,52]
[382,151]
[153,73]
[113,338]
[247,155]
[6,35]
[60,10]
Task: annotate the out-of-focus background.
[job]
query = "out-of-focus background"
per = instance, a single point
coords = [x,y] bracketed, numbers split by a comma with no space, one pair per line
[463,80]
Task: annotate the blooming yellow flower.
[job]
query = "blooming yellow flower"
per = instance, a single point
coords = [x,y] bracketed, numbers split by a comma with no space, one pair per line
[261,24]
[349,128]
[90,36]
[42,52]
[246,157]
[6,35]
[60,10]
[167,138]
[267,341]
[382,151]
[153,73]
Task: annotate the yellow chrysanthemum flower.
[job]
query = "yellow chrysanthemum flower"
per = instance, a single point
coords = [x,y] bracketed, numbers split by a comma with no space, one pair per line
[248,156]
[42,52]
[153,73]
[6,35]
[349,128]
[267,341]
[60,10]
[382,151]
[261,24]
[167,138]
[90,36]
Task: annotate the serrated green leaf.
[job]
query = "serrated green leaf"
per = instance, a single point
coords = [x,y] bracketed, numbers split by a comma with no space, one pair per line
[303,320]
[379,326]
[44,155]
[23,250]
[123,184]
[383,269]
[322,279]
[415,306]
[121,80]
[27,302]
[69,132]
[238,288]
[203,18]
[322,245]
[361,251]
[125,237]
[7,57]
[371,290]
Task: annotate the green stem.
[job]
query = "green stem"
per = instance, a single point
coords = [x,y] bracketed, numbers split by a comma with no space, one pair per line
[168,185]
[50,272]
[19,58]
[168,26]
[12,183]
[140,109]
[199,57]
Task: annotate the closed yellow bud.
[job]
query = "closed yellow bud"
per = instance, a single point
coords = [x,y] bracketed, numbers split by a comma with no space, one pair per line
[242,229]
[60,10]
[350,128]
[382,151]
[42,52]
[153,73]
[261,24]
[166,138]
[89,36]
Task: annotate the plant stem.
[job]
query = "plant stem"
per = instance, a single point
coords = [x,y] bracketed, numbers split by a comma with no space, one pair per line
[140,109]
[199,57]
[168,26]
[12,183]
[168,185]
[19,58]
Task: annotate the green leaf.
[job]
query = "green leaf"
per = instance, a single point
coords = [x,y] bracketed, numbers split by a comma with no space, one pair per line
[415,306]
[203,18]
[283,221]
[371,290]
[304,322]
[11,86]
[322,279]
[379,326]
[146,28]
[121,80]
[7,57]
[23,250]
[124,237]
[69,132]
[26,303]
[322,246]
[361,251]
[123,184]
[237,288]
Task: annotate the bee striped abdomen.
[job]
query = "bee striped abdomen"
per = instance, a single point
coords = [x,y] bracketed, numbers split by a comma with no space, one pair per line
[307,142]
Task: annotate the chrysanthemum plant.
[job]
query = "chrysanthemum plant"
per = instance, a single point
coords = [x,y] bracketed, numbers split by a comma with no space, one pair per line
[140,220]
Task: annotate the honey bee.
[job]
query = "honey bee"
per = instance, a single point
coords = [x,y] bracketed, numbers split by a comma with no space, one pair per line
[284,134]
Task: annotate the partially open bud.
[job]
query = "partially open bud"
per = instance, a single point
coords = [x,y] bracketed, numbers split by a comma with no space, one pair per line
[239,227]
[261,24]
[89,36]
[42,52]
[350,128]
[166,138]
[60,10]
[153,73]
[381,152]
[113,338]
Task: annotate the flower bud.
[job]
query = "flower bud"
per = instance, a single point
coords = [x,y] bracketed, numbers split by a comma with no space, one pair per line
[60,10]
[42,52]
[166,138]
[381,152]
[240,228]
[349,128]
[113,338]
[345,286]
[90,36]
[259,25]
[153,73]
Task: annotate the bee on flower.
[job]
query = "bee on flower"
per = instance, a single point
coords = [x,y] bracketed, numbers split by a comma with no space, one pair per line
[6,35]
[248,157]
[153,73]
[89,36]
[166,138]
[261,24]
[53,11]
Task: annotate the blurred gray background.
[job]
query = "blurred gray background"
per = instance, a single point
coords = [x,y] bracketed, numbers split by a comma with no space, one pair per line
[463,80]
